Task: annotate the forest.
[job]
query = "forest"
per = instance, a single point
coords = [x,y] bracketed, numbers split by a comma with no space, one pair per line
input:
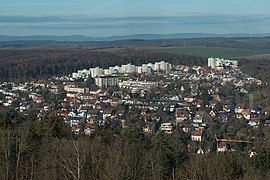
[24,65]
[47,149]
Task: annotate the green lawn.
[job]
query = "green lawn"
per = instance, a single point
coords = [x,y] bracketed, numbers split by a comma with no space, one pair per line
[211,51]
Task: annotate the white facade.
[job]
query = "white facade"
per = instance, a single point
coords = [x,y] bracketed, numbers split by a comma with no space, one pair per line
[220,63]
[107,72]
[167,128]
[81,74]
[162,66]
[96,72]
[138,85]
[129,68]
[116,69]
[139,69]
[105,81]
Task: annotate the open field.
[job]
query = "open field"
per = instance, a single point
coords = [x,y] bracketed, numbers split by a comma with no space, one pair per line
[211,51]
[260,56]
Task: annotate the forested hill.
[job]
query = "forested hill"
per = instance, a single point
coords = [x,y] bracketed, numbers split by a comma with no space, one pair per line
[24,65]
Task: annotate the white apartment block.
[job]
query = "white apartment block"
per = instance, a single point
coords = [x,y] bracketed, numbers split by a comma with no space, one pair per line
[221,63]
[97,71]
[81,74]
[168,128]
[123,69]
[129,68]
[136,86]
[162,66]
[105,81]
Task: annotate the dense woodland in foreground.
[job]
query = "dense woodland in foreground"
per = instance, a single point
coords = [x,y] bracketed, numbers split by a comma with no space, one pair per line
[31,149]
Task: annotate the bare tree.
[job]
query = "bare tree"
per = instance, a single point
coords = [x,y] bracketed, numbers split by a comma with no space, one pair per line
[6,140]
[74,159]
[22,144]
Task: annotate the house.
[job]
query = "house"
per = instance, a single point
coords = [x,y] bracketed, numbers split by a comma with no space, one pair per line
[107,113]
[83,108]
[86,96]
[226,108]
[186,129]
[189,99]
[202,71]
[181,115]
[212,104]
[239,108]
[197,103]
[146,117]
[199,117]
[199,151]
[167,128]
[75,128]
[216,97]
[266,111]
[252,153]
[115,101]
[37,98]
[222,117]
[54,89]
[267,123]
[41,115]
[155,117]
[149,127]
[24,106]
[120,112]
[96,114]
[77,120]
[63,114]
[246,114]
[71,100]
[196,135]
[213,113]
[89,128]
[123,123]
[39,83]
[131,101]
[254,122]
[222,147]
[145,111]
[46,107]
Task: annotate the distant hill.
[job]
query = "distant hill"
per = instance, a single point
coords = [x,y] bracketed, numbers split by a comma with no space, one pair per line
[113,38]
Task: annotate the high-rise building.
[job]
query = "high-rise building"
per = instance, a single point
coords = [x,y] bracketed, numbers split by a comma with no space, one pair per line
[96,72]
[105,81]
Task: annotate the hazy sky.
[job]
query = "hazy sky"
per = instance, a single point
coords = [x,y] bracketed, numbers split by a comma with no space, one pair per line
[111,17]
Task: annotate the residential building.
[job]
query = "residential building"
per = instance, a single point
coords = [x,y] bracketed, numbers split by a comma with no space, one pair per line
[196,135]
[167,128]
[105,81]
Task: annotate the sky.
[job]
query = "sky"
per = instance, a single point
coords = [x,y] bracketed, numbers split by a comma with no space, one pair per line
[123,17]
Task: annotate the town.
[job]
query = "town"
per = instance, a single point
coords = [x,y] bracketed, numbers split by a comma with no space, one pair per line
[155,97]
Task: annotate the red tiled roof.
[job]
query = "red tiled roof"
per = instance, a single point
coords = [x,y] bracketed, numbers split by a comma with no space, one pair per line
[246,112]
[222,145]
[199,113]
[197,133]
[240,106]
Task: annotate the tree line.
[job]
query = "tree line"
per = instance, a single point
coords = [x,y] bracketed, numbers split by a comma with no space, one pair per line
[47,149]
